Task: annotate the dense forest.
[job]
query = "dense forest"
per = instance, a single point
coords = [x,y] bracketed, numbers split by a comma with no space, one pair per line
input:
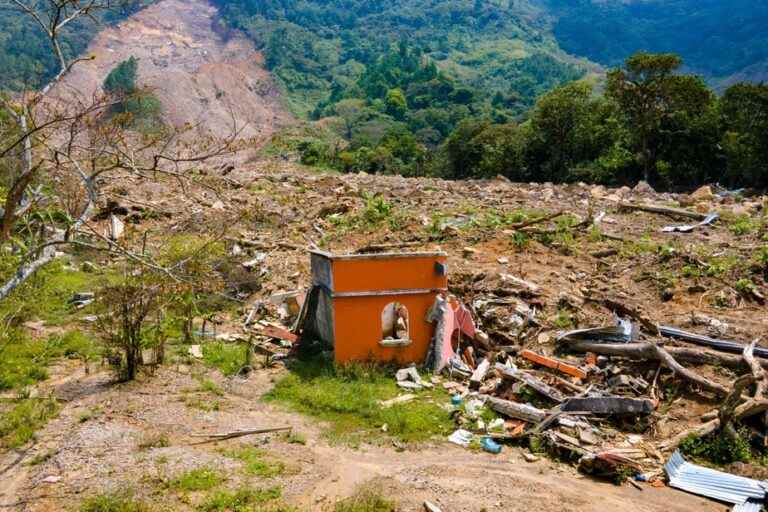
[26,59]
[716,38]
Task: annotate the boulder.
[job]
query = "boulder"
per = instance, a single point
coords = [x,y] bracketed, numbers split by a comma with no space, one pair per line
[703,194]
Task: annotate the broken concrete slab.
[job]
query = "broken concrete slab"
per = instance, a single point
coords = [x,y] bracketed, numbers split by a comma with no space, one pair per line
[619,406]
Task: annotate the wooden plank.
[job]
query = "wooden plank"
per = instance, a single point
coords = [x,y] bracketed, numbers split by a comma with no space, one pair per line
[550,362]
[523,412]
[530,381]
[478,376]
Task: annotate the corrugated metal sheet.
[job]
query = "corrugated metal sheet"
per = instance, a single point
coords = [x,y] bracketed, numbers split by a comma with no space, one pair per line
[711,483]
[749,506]
[705,341]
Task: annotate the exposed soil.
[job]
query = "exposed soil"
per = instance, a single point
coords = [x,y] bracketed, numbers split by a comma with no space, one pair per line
[202,76]
[103,453]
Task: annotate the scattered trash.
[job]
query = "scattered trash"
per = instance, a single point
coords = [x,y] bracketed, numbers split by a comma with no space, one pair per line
[80,300]
[687,228]
[456,400]
[431,507]
[490,446]
[461,437]
[51,479]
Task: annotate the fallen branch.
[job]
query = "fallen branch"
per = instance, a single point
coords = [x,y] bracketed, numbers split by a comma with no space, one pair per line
[648,351]
[663,210]
[239,433]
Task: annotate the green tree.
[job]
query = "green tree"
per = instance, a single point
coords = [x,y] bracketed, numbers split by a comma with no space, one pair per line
[121,81]
[744,111]
[649,94]
[396,104]
[565,130]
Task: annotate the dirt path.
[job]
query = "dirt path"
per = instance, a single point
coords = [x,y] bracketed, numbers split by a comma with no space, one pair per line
[103,440]
[200,74]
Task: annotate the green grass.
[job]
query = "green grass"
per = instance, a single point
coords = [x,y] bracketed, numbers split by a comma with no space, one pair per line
[242,500]
[744,225]
[119,502]
[208,386]
[19,423]
[23,361]
[256,462]
[228,358]
[200,479]
[366,499]
[45,295]
[348,397]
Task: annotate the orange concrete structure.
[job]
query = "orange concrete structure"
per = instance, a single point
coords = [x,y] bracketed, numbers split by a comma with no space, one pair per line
[374,306]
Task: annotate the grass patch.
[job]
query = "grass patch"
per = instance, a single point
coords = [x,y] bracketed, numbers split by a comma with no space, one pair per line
[19,424]
[200,479]
[46,294]
[718,448]
[228,358]
[208,386]
[367,499]
[155,440]
[348,398]
[113,503]
[242,500]
[255,461]
[23,361]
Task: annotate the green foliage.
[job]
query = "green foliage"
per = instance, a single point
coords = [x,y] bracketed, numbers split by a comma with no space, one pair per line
[121,81]
[117,502]
[367,499]
[19,423]
[26,57]
[24,361]
[200,479]
[45,295]
[228,358]
[717,39]
[719,448]
[242,500]
[256,462]
[348,397]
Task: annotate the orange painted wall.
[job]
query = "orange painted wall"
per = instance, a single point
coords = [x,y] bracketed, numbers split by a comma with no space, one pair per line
[392,273]
[358,328]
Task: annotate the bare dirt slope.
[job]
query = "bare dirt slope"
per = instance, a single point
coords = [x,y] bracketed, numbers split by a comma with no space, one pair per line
[201,76]
[98,444]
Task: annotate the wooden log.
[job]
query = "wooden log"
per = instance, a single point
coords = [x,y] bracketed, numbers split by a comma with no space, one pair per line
[694,356]
[480,373]
[664,210]
[648,351]
[530,381]
[523,412]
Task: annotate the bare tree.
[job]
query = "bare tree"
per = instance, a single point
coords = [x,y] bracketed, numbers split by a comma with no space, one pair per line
[60,150]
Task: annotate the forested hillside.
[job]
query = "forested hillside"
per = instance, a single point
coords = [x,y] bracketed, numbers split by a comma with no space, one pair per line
[316,46]
[26,58]
[716,38]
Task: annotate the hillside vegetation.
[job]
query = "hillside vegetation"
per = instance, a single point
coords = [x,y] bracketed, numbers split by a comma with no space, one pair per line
[716,38]
[26,58]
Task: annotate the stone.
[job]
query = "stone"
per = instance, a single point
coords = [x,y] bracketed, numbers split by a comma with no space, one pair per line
[469,252]
[703,194]
[597,192]
[529,457]
[89,267]
[643,188]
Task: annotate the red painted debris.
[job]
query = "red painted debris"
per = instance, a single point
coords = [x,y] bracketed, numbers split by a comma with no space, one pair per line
[554,364]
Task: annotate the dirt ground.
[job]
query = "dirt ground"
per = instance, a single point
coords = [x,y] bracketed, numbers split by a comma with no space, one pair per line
[104,453]
[202,75]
